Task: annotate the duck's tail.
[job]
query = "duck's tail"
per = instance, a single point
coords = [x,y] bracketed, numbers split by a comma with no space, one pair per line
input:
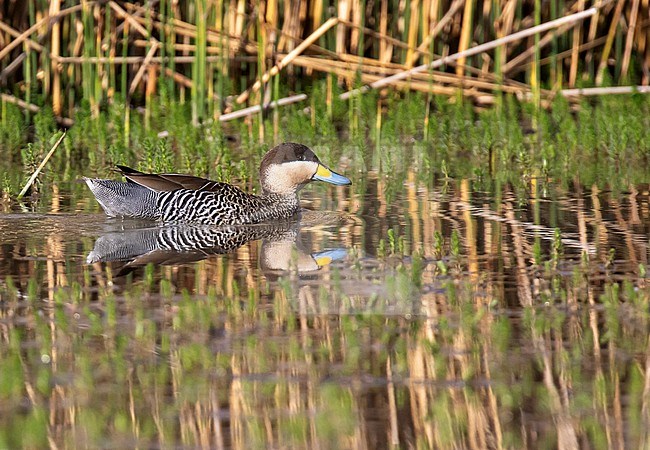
[124,199]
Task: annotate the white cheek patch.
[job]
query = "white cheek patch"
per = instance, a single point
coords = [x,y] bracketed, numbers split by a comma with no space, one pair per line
[286,177]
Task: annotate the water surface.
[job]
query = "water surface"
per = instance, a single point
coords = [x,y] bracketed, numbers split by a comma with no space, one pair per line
[455,313]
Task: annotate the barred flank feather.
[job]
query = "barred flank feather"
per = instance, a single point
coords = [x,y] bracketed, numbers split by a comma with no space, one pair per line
[124,199]
[222,205]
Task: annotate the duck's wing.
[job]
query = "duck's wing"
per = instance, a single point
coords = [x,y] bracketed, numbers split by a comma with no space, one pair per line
[165,181]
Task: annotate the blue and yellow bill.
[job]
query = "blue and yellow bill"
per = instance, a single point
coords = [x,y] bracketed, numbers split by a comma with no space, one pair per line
[329,176]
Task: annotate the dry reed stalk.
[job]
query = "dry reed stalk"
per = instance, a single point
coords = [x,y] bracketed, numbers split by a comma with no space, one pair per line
[610,41]
[464,81]
[356,13]
[64,121]
[288,58]
[132,20]
[139,59]
[111,51]
[41,165]
[369,62]
[284,34]
[15,33]
[465,35]
[178,78]
[302,18]
[506,18]
[577,31]
[413,28]
[18,61]
[474,51]
[257,108]
[343,10]
[181,79]
[562,55]
[644,49]
[481,76]
[291,12]
[261,68]
[151,81]
[629,40]
[350,75]
[385,49]
[78,44]
[188,48]
[308,61]
[272,13]
[239,19]
[23,37]
[143,68]
[188,31]
[412,57]
[526,54]
[101,81]
[605,91]
[366,61]
[231,15]
[137,12]
[314,47]
[13,66]
[438,77]
[430,17]
[591,35]
[379,36]
[38,27]
[120,28]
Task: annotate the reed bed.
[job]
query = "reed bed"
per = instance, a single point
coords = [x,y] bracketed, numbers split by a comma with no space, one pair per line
[220,56]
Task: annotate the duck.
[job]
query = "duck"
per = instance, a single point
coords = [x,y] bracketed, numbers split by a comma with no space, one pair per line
[176,198]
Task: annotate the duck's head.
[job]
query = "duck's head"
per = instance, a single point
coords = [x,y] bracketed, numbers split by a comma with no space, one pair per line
[288,167]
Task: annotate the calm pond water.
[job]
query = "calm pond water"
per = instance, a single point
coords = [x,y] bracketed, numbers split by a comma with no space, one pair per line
[447,314]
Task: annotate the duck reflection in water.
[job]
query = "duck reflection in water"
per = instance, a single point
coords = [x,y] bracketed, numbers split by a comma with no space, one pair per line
[181,244]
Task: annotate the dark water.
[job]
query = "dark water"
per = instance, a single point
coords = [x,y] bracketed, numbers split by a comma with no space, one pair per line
[455,314]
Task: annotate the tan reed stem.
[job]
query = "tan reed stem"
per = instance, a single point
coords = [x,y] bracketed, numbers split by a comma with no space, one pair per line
[15,33]
[453,9]
[257,108]
[55,7]
[610,41]
[474,51]
[288,58]
[41,165]
[465,35]
[64,121]
[577,31]
[605,91]
[143,68]
[629,40]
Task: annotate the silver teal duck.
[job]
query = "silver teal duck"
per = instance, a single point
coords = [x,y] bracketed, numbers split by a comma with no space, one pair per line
[176,198]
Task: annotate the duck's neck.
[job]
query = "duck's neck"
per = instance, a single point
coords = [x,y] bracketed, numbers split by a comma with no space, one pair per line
[276,206]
